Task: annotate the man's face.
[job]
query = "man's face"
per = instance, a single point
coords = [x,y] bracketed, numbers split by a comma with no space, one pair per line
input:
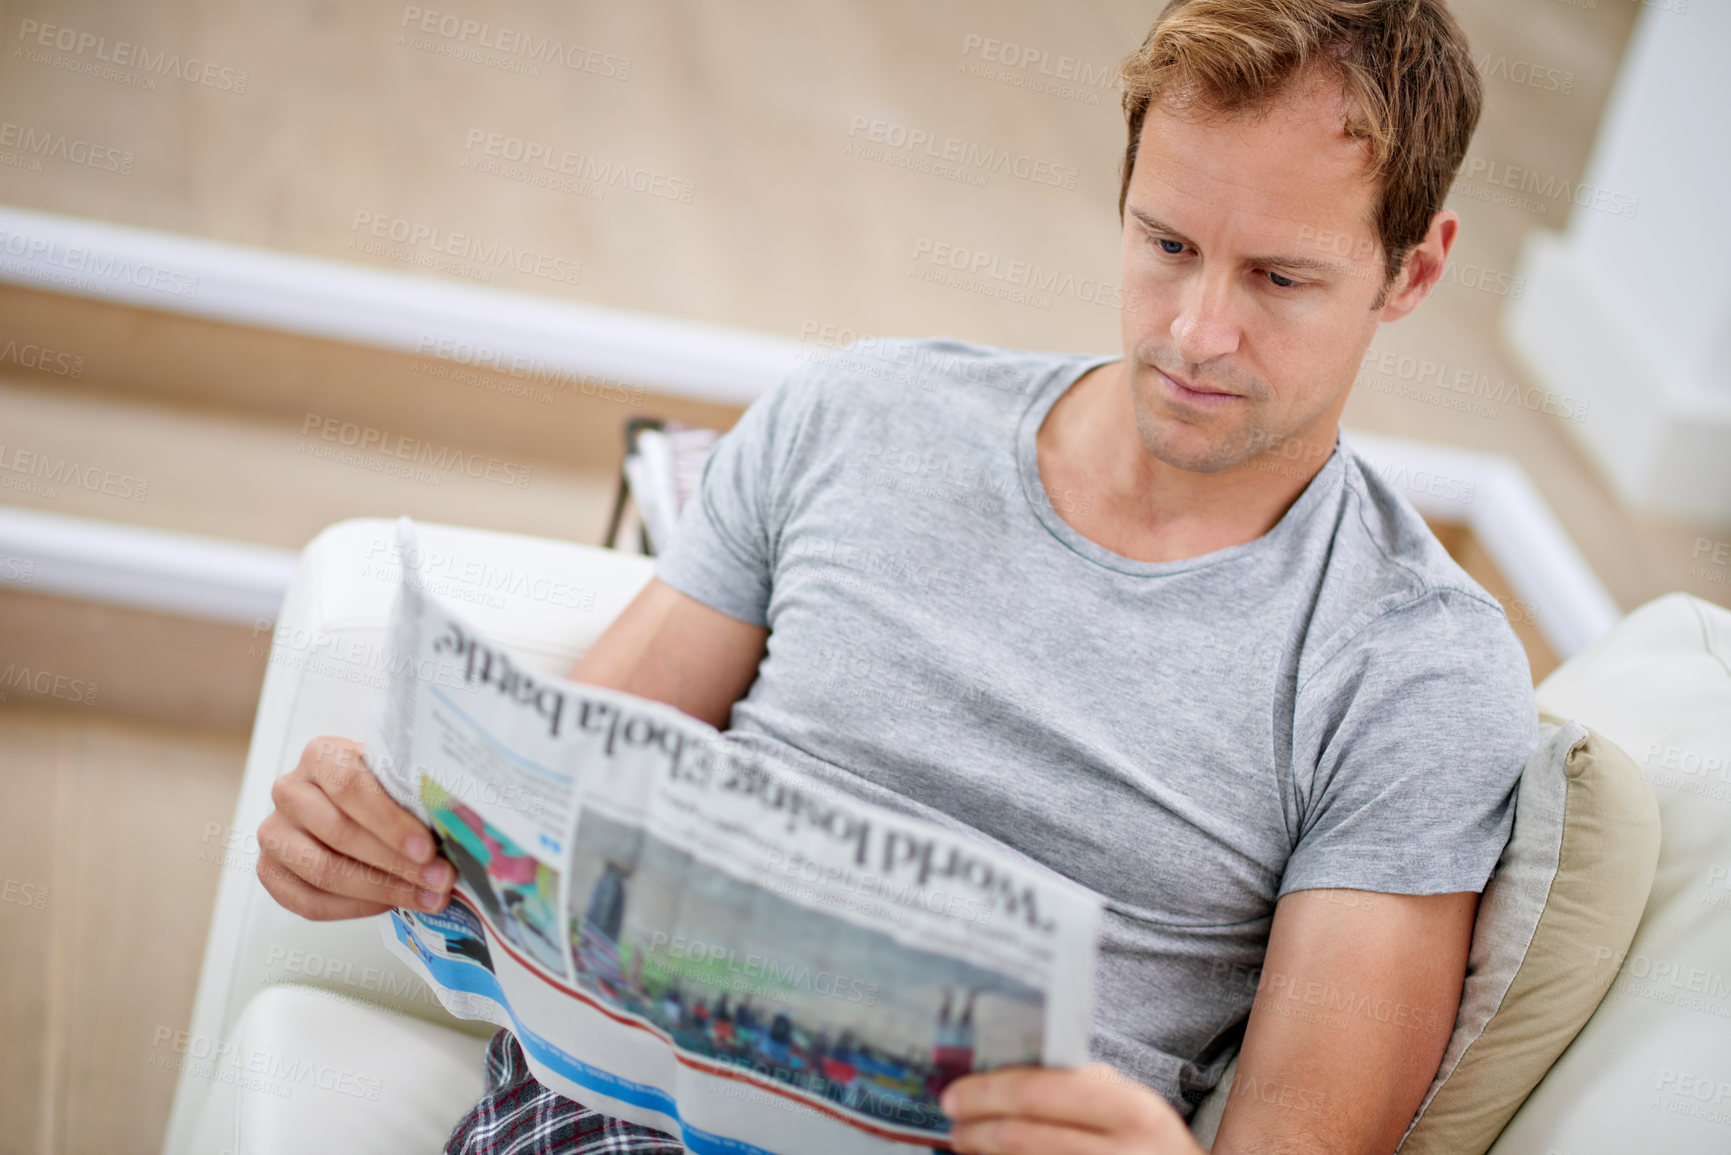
[1250,271]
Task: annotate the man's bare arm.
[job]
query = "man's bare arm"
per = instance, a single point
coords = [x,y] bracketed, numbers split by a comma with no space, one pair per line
[672,648]
[1353,1012]
[1355,1007]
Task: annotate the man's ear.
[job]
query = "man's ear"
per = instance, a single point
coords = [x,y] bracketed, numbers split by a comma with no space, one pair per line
[1424,266]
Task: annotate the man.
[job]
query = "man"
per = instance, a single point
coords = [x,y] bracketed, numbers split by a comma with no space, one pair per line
[1140,619]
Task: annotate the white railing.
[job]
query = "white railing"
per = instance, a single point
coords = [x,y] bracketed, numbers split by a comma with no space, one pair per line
[338,301]
[202,577]
[147,569]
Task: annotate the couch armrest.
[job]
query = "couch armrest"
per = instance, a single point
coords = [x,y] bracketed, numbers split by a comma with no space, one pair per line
[545,600]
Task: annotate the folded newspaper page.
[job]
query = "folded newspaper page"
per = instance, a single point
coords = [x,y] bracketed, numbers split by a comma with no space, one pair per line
[701,940]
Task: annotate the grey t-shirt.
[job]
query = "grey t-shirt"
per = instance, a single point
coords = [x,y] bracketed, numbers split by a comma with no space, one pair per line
[1334,704]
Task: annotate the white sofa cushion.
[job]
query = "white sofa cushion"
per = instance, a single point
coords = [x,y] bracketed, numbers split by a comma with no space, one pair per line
[307,1070]
[1651,1071]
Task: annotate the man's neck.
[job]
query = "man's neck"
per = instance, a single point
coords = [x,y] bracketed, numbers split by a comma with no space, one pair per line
[1110,489]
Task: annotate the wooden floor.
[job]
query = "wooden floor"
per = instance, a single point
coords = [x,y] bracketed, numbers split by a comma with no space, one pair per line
[108,873]
[349,119]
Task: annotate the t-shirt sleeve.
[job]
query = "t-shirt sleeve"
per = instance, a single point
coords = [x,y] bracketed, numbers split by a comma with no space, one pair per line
[1418,730]
[723,549]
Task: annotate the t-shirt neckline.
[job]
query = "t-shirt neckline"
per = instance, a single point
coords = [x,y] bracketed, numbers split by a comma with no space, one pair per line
[1040,403]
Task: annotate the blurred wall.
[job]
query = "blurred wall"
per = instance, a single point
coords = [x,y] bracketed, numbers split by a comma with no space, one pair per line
[772,145]
[816,170]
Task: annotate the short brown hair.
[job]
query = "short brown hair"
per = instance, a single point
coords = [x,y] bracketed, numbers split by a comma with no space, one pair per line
[1409,79]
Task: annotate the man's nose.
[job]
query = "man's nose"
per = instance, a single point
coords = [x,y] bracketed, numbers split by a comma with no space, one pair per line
[1207,325]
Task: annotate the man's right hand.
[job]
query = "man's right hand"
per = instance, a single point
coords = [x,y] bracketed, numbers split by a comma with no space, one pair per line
[338,846]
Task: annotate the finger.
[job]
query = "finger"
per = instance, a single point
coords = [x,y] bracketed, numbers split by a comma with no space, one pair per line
[341,772]
[311,809]
[317,865]
[295,895]
[1028,1137]
[1095,1097]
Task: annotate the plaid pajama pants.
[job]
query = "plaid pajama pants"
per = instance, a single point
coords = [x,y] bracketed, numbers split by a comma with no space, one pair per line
[518,1116]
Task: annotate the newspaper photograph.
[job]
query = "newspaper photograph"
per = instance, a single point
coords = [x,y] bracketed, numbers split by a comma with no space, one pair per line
[695,938]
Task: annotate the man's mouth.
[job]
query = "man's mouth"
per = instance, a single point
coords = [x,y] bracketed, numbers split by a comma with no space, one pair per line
[1194,394]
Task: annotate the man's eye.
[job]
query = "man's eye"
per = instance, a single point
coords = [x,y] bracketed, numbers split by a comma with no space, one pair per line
[1283,282]
[1169,246]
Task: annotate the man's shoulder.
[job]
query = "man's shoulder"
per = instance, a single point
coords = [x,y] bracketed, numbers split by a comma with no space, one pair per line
[897,367]
[1392,588]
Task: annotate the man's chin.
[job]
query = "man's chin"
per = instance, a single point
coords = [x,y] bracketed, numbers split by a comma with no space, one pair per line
[1216,464]
[1196,453]
[1199,443]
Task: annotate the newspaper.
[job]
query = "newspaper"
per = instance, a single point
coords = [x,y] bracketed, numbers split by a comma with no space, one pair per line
[698,939]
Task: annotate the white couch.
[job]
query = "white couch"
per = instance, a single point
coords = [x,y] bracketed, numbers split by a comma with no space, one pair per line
[311,1036]
[285,1005]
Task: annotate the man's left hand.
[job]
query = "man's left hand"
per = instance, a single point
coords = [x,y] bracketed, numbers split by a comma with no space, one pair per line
[1093,1110]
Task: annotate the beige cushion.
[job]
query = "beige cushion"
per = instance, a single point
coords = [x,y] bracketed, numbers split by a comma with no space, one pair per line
[1571,883]
[1651,1071]
[1581,860]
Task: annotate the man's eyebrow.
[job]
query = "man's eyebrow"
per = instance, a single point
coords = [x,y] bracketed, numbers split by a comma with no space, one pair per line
[1153,225]
[1313,264]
